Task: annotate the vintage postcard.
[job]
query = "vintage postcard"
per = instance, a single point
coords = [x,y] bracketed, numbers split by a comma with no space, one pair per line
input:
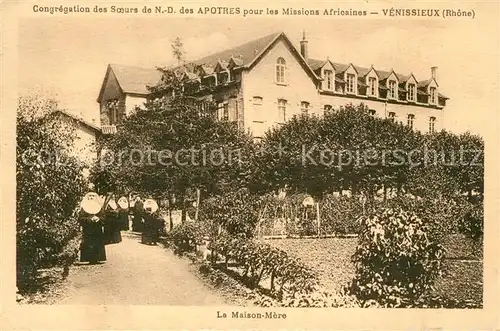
[250,165]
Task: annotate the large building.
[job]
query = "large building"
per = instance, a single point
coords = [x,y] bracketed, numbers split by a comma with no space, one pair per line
[266,81]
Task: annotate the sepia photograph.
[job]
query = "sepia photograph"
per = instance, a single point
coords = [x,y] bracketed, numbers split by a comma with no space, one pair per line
[254,160]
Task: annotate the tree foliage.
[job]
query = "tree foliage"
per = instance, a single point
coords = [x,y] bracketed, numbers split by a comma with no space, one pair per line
[49,187]
[173,147]
[347,148]
[350,149]
[236,212]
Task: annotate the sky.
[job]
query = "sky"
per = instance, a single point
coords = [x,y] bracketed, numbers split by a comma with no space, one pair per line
[68,56]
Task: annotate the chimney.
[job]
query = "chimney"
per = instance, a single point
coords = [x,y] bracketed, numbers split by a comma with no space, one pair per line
[434,72]
[303,46]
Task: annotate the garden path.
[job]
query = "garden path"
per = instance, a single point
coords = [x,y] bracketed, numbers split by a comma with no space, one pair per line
[137,274]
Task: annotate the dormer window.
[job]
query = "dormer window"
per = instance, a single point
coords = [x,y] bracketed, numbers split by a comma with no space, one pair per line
[410,120]
[329,82]
[235,76]
[372,86]
[280,70]
[393,89]
[350,83]
[433,95]
[412,92]
[223,78]
[210,81]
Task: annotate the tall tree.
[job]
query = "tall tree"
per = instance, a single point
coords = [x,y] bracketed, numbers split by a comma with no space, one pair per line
[178,50]
[49,187]
[174,147]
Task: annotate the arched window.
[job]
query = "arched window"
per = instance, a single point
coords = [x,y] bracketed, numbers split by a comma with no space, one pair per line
[280,70]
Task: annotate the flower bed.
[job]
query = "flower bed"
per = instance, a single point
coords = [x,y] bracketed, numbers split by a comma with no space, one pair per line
[330,258]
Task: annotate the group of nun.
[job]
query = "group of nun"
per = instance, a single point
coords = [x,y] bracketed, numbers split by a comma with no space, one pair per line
[102,218]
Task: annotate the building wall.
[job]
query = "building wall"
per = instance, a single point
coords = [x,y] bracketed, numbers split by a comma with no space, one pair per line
[260,81]
[84,143]
[421,119]
[133,101]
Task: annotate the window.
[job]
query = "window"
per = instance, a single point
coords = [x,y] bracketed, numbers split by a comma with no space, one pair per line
[257,108]
[223,78]
[392,116]
[410,120]
[257,101]
[327,108]
[112,106]
[220,110]
[392,89]
[433,95]
[112,116]
[432,124]
[236,76]
[350,83]
[372,112]
[372,85]
[211,81]
[329,80]
[225,112]
[411,92]
[281,110]
[304,107]
[280,70]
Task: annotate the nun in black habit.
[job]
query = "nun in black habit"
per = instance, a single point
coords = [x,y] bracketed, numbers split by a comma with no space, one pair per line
[92,248]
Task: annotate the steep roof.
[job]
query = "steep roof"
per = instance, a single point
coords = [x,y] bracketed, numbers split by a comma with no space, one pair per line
[316,64]
[246,52]
[76,118]
[135,79]
[424,83]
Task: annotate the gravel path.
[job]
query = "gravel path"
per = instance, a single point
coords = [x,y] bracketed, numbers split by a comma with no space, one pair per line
[137,274]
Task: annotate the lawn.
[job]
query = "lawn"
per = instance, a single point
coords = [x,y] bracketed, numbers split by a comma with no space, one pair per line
[331,258]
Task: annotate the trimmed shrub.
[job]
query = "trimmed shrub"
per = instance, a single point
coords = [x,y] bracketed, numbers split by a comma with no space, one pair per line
[186,236]
[473,222]
[396,261]
[287,274]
